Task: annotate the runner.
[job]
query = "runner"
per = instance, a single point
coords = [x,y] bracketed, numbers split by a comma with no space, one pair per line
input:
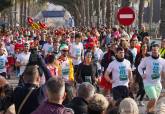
[23,59]
[121,76]
[154,69]
[66,65]
[77,51]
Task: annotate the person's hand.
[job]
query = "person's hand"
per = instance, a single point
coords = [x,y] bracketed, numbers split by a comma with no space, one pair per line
[111,81]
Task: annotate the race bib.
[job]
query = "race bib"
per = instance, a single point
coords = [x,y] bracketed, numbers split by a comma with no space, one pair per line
[155,76]
[122,73]
[88,79]
[65,72]
[78,52]
[155,71]
[2,63]
[50,49]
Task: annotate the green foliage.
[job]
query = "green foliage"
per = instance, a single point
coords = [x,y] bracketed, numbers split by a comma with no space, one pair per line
[5,4]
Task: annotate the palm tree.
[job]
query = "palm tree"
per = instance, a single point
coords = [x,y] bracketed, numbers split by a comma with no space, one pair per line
[162,16]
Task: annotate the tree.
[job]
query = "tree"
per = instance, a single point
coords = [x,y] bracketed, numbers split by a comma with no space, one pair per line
[98,12]
[125,3]
[108,13]
[140,16]
[72,6]
[162,16]
[103,7]
[5,4]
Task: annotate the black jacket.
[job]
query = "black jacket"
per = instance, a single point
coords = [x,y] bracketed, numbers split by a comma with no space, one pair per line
[34,100]
[79,105]
[36,59]
[86,70]
[107,58]
[6,101]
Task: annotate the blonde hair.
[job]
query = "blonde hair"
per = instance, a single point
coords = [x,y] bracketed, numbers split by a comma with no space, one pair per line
[128,106]
[98,103]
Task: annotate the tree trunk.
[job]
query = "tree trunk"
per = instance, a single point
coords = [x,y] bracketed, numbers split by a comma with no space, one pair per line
[98,12]
[103,11]
[140,16]
[162,16]
[91,10]
[151,15]
[87,12]
[21,12]
[15,13]
[108,14]
[25,13]
[125,3]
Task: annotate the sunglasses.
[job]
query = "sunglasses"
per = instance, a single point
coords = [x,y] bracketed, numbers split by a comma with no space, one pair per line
[65,50]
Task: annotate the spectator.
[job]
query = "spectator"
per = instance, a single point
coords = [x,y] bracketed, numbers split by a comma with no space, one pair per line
[98,104]
[80,103]
[56,94]
[30,89]
[5,96]
[128,106]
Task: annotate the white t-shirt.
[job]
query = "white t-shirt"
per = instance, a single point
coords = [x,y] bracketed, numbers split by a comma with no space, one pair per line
[23,58]
[65,70]
[76,51]
[98,55]
[152,68]
[119,72]
[134,53]
[10,49]
[3,61]
[47,48]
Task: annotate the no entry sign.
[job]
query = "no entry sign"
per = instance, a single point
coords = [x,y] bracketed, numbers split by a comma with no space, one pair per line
[126,16]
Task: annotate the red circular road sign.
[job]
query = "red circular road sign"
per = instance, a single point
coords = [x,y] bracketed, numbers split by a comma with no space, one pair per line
[126,16]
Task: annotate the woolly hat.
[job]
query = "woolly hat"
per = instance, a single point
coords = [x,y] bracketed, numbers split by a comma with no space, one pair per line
[128,106]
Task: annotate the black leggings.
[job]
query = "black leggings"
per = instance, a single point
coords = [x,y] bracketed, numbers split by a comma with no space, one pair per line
[141,91]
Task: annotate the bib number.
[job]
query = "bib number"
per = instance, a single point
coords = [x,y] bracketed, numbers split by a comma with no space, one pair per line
[155,76]
[65,72]
[88,79]
[123,77]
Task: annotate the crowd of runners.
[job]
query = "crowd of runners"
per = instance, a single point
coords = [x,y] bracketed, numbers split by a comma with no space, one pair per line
[81,71]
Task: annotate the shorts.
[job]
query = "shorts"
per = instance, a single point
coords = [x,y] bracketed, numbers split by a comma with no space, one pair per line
[120,92]
[153,91]
[104,84]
